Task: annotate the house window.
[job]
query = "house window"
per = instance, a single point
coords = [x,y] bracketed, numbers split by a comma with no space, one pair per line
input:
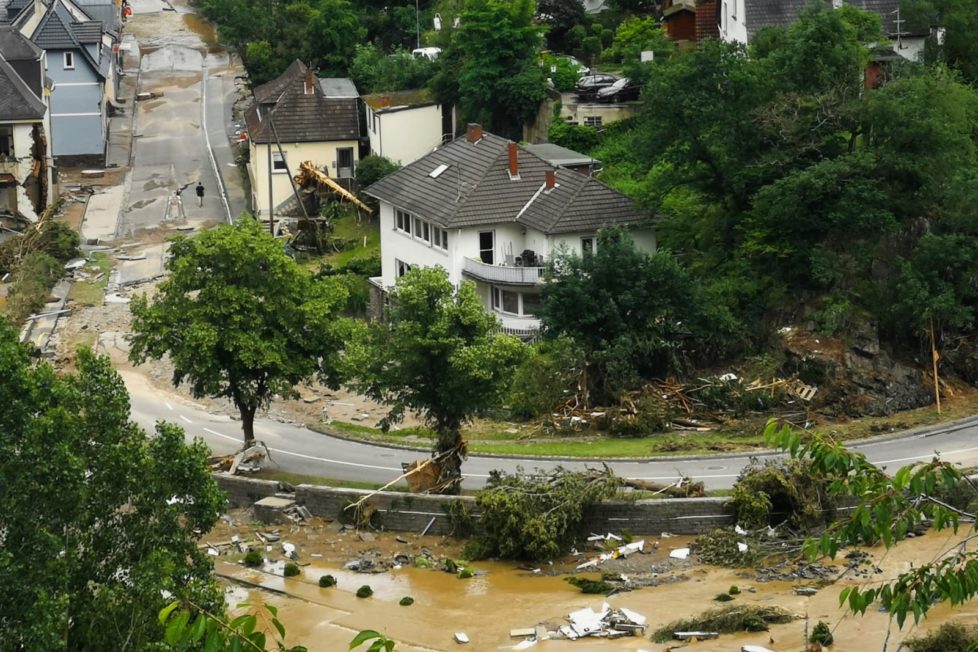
[531,304]
[279,165]
[6,140]
[418,222]
[723,24]
[587,245]
[426,233]
[487,246]
[69,60]
[592,121]
[444,239]
[344,162]
[515,303]
[403,221]
[401,267]
[733,12]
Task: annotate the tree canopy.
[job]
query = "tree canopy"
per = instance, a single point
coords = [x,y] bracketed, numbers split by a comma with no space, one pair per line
[98,522]
[438,354]
[241,320]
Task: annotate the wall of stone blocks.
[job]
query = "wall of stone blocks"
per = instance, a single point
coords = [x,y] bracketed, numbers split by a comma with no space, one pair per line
[401,512]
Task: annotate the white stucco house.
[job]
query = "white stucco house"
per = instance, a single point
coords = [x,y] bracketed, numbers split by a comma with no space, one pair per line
[487,210]
[405,125]
[299,117]
[740,20]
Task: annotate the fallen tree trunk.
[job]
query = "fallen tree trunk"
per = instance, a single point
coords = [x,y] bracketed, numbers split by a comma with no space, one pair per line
[683,488]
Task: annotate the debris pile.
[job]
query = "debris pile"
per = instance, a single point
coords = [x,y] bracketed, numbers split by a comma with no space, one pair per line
[606,623]
[621,551]
[248,460]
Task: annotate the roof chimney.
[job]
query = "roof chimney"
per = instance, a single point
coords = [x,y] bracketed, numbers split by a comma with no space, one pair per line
[514,161]
[474,133]
[310,82]
[551,182]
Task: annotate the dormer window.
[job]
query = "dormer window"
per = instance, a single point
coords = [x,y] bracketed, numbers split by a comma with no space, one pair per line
[69,61]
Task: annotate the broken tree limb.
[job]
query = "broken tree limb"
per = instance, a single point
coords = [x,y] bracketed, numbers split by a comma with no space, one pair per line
[417,468]
[682,488]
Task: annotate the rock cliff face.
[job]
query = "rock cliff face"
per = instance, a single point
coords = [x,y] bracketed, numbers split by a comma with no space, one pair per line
[855,375]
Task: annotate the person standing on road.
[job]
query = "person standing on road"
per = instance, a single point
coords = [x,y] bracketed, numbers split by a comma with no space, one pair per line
[200,194]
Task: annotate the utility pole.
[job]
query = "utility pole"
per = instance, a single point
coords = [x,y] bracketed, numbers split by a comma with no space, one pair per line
[935,357]
[417,20]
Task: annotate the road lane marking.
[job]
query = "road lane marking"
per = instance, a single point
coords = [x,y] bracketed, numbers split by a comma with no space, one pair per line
[168,406]
[332,461]
[185,419]
[929,455]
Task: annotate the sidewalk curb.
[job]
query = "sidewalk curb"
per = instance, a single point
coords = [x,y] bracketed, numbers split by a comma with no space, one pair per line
[922,432]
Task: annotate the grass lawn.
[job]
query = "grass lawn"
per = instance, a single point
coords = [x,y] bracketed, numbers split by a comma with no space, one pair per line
[493,437]
[365,233]
[92,291]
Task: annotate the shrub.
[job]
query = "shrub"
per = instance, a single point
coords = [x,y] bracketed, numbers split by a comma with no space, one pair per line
[365,591]
[949,637]
[465,574]
[821,634]
[291,569]
[535,516]
[598,587]
[253,558]
[327,581]
[723,597]
[406,601]
[576,137]
[727,620]
[367,265]
[720,548]
[544,378]
[733,590]
[780,491]
[652,414]
[33,278]
[373,168]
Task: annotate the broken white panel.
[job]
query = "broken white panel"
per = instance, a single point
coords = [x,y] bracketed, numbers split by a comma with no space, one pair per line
[679,553]
[629,548]
[754,648]
[741,546]
[635,618]
[461,637]
[525,643]
[739,530]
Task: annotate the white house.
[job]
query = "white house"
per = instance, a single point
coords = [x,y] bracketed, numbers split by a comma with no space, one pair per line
[299,117]
[487,210]
[405,125]
[740,20]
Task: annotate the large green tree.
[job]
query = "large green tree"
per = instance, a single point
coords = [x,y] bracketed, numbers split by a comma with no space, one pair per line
[632,313]
[98,523]
[241,320]
[438,353]
[490,66]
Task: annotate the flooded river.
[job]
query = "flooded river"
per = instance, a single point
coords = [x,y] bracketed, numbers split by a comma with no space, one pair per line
[486,607]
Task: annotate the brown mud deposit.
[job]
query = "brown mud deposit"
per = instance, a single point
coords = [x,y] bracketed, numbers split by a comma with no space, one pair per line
[506,595]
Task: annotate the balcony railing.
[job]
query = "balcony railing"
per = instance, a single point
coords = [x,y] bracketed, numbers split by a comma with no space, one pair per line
[505,274]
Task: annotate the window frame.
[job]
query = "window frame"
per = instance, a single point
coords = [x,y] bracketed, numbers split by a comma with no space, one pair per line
[279,159]
[68,59]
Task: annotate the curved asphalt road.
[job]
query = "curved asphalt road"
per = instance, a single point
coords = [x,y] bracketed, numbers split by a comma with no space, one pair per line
[299,450]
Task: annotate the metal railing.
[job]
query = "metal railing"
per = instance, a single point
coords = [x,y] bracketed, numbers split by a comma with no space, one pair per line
[503,273]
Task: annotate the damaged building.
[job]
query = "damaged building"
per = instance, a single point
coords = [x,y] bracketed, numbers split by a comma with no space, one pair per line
[26,173]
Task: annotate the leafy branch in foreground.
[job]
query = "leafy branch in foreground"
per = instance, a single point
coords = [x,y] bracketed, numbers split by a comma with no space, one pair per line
[888,508]
[189,626]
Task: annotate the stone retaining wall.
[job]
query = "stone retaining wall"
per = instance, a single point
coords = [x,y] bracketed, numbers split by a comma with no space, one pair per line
[403,512]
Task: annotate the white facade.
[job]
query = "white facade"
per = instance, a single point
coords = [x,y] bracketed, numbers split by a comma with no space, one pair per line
[323,155]
[404,133]
[733,21]
[490,255]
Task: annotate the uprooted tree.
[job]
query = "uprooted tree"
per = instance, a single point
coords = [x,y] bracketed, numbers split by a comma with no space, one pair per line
[439,354]
[536,516]
[890,507]
[241,320]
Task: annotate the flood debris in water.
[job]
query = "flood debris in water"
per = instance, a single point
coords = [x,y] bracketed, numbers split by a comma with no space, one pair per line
[606,623]
[727,620]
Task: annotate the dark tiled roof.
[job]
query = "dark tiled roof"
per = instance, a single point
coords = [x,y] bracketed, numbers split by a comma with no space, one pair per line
[781,13]
[300,117]
[17,102]
[14,46]
[14,7]
[54,34]
[87,32]
[476,189]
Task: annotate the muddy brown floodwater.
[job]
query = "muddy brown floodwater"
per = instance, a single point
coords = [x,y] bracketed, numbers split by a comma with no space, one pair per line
[503,596]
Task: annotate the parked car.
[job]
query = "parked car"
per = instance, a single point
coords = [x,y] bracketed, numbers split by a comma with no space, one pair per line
[623,90]
[587,87]
[426,53]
